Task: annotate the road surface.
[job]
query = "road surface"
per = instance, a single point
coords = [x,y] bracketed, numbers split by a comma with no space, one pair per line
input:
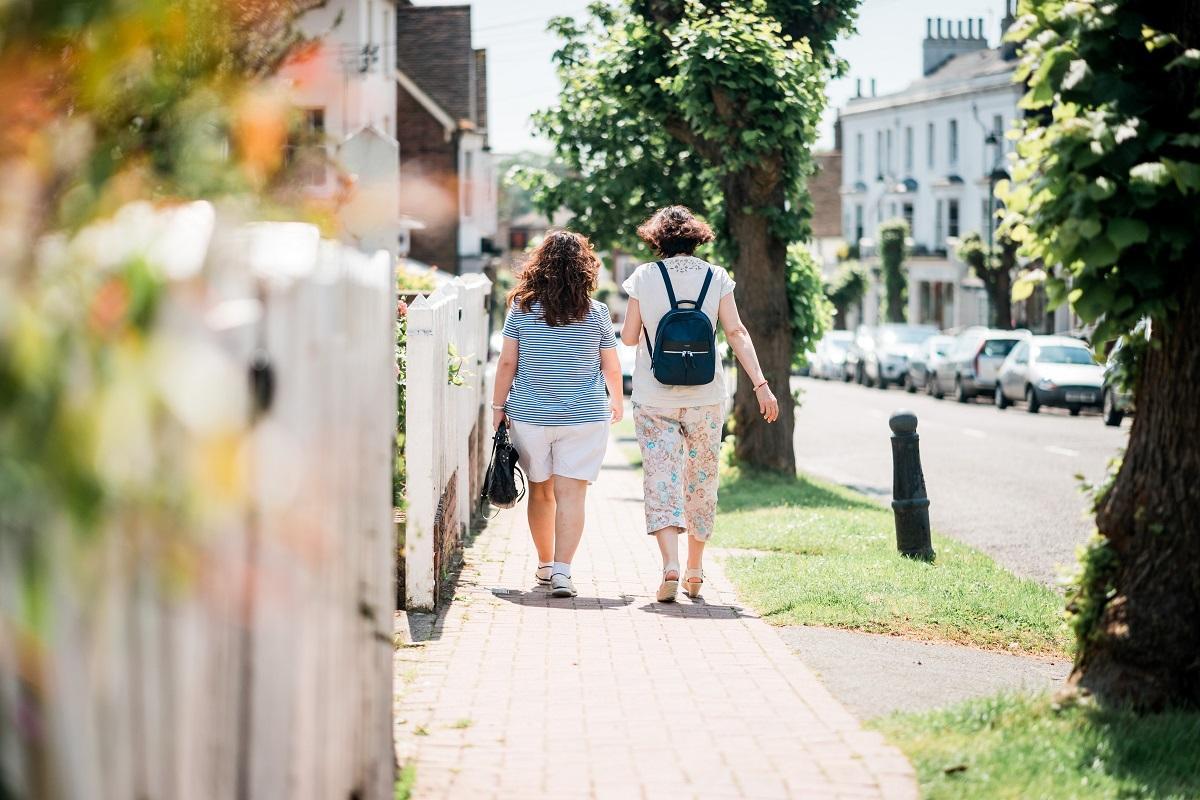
[1004,481]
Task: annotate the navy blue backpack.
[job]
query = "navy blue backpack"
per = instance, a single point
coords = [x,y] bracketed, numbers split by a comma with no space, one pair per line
[684,352]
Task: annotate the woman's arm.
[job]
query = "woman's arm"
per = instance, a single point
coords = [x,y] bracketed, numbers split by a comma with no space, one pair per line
[631,329]
[610,365]
[739,339]
[506,370]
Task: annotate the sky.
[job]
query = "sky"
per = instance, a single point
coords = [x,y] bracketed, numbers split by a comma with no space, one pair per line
[886,47]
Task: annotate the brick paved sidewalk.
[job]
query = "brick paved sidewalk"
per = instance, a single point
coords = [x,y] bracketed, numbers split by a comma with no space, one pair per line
[612,695]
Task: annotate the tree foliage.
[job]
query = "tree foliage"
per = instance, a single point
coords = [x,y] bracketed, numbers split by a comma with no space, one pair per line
[994,269]
[847,288]
[715,105]
[893,249]
[1104,188]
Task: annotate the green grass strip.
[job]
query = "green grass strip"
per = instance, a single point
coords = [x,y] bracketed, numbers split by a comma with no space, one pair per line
[1014,746]
[831,560]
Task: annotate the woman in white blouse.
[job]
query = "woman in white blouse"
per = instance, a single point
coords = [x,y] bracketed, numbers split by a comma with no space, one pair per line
[679,427]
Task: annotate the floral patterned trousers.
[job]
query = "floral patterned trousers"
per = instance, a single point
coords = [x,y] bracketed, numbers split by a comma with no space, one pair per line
[680,449]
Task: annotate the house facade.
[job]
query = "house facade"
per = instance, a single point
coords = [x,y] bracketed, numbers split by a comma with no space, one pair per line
[446,165]
[346,93]
[930,154]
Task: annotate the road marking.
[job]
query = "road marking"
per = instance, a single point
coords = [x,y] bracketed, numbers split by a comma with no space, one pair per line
[978,434]
[1060,451]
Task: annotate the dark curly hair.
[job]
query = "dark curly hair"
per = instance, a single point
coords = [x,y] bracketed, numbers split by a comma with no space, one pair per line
[674,231]
[561,274]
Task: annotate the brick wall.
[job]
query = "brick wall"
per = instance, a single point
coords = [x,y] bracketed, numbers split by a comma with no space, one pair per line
[428,182]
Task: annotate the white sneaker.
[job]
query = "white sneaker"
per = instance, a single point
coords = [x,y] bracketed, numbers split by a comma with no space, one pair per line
[561,586]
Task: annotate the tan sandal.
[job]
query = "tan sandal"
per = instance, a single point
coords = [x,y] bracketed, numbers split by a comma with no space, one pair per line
[693,580]
[669,588]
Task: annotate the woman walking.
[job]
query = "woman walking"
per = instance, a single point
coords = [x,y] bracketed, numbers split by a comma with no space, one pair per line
[679,426]
[558,356]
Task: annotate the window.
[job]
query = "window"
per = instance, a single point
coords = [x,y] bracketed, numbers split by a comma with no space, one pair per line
[952,135]
[930,140]
[908,149]
[858,223]
[890,161]
[858,155]
[985,213]
[938,226]
[908,215]
[952,218]
[306,148]
[879,154]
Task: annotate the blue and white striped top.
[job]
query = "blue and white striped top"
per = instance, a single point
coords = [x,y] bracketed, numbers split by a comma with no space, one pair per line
[558,379]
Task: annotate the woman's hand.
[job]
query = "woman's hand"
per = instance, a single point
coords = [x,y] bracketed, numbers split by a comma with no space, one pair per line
[498,417]
[768,406]
[617,404]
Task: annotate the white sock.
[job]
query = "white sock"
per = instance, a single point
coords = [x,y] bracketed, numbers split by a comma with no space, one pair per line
[561,568]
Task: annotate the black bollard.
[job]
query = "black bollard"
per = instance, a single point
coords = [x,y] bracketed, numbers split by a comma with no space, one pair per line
[909,501]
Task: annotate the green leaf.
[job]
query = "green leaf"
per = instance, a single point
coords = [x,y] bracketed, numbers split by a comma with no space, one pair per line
[1099,252]
[1185,173]
[1124,232]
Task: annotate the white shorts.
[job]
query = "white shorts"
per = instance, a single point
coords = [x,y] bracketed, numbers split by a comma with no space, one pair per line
[572,451]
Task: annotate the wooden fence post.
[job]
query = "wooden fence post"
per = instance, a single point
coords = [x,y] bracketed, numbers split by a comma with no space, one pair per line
[421,438]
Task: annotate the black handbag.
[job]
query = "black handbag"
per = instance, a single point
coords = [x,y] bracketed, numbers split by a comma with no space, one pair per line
[500,483]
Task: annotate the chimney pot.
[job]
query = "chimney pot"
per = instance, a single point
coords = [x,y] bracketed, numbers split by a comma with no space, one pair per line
[858,87]
[960,31]
[970,27]
[979,27]
[939,27]
[872,87]
[928,27]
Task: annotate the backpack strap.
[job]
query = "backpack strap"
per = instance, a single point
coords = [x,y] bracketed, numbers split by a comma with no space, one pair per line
[670,289]
[704,290]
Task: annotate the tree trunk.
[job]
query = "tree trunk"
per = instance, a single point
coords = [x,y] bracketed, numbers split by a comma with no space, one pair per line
[1144,649]
[760,269]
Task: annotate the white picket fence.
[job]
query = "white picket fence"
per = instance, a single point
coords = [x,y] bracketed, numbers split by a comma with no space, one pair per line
[446,429]
[250,657]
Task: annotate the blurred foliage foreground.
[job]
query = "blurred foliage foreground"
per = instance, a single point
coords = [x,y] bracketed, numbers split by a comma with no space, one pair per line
[114,112]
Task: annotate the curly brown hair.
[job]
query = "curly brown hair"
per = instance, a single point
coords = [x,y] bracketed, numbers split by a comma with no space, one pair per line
[674,231]
[561,274]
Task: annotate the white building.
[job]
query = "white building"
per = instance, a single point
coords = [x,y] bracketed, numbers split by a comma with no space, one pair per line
[345,87]
[927,154]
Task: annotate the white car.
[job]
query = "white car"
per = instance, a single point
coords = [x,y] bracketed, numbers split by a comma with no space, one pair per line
[829,358]
[1050,371]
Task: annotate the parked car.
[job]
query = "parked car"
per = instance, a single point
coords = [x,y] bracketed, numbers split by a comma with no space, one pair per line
[1050,371]
[1116,402]
[971,367]
[628,357]
[830,358]
[895,344]
[858,351]
[929,356]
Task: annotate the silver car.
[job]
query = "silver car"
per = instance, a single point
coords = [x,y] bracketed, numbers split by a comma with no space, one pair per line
[830,357]
[1050,371]
[922,366]
[971,367]
[895,344]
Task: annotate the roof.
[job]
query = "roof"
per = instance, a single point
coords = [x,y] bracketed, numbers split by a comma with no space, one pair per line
[964,73]
[824,187]
[433,47]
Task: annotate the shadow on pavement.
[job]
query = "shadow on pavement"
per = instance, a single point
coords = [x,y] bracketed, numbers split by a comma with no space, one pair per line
[693,609]
[543,599]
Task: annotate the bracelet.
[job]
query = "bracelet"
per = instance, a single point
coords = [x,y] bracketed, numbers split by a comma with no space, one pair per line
[497,408]
[764,383]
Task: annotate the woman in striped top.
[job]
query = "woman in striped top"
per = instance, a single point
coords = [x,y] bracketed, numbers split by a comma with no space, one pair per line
[558,357]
